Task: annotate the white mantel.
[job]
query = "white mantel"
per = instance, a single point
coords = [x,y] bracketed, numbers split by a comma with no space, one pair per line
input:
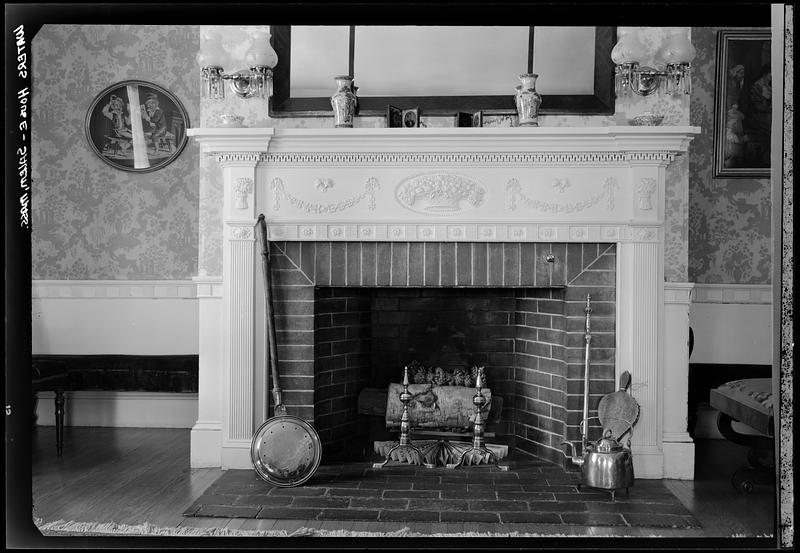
[565,184]
[536,183]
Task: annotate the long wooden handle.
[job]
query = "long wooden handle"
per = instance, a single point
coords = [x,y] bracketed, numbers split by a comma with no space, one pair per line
[588,338]
[272,341]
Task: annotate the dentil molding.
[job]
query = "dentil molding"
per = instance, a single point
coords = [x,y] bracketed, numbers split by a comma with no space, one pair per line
[502,146]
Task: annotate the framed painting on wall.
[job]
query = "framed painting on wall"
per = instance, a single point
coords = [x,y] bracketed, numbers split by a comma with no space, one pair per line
[742,104]
[136,126]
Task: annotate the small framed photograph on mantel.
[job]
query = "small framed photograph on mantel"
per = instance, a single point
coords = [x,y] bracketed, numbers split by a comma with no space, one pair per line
[411,118]
[397,117]
[394,117]
[469,119]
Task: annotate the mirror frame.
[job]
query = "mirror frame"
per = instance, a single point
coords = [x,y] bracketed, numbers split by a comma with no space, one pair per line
[281,104]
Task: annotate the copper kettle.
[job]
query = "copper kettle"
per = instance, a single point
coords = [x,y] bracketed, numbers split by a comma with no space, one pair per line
[605,464]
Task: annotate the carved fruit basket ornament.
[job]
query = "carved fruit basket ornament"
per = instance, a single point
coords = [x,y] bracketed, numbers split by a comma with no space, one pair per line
[440,193]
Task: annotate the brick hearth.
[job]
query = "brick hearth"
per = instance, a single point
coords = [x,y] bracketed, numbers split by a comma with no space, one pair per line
[533,492]
[348,313]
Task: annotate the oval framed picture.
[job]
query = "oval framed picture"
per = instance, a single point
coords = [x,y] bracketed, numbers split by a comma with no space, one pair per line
[137,126]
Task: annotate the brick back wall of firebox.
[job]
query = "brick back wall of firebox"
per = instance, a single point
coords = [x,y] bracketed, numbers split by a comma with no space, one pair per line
[542,384]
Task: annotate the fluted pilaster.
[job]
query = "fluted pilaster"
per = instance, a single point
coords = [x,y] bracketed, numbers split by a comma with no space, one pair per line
[639,296]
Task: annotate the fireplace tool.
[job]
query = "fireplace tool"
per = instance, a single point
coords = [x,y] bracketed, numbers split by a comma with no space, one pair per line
[285,450]
[605,463]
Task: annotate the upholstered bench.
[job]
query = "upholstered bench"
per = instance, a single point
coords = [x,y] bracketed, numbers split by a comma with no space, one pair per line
[750,402]
[704,377]
[126,373]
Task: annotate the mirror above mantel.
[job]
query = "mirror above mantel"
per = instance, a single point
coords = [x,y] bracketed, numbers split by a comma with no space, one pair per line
[443,70]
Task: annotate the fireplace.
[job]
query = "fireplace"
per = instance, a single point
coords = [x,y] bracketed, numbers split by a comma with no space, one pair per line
[360,218]
[372,308]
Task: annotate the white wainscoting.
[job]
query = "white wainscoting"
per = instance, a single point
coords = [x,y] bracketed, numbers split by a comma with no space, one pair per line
[732,323]
[123,317]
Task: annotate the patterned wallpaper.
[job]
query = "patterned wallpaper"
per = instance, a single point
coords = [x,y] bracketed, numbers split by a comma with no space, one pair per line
[237,40]
[729,219]
[90,220]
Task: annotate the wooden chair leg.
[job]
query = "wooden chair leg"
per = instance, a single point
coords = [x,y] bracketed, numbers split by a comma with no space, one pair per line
[59,421]
[35,405]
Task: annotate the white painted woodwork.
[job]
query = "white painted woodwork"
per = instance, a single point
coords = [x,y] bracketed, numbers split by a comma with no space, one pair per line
[238,305]
[86,317]
[206,436]
[564,184]
[678,445]
[732,323]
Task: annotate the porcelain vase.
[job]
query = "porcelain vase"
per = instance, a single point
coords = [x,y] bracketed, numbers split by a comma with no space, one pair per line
[344,102]
[528,100]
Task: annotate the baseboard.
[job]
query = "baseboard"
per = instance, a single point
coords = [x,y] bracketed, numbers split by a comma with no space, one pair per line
[121,409]
[206,444]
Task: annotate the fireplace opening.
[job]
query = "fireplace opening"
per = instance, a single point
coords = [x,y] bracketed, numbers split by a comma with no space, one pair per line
[530,340]
[364,337]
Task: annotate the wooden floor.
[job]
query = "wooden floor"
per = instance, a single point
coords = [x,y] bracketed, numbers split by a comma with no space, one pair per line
[132,476]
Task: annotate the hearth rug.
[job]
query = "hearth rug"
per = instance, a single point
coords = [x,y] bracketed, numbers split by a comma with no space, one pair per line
[531,491]
[62,528]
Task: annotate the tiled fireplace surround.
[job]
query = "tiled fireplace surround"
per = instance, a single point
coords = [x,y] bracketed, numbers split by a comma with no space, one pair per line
[362,235]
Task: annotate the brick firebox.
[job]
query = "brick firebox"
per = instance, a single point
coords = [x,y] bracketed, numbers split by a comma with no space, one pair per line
[351,314]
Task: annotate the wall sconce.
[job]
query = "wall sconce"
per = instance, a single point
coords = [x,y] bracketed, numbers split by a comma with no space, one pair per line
[247,83]
[675,56]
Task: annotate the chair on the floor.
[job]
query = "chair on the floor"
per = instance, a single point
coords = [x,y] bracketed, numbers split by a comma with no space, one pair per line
[119,373]
[46,377]
[750,402]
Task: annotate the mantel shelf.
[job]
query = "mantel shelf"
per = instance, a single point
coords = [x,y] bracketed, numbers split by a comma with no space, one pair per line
[450,139]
